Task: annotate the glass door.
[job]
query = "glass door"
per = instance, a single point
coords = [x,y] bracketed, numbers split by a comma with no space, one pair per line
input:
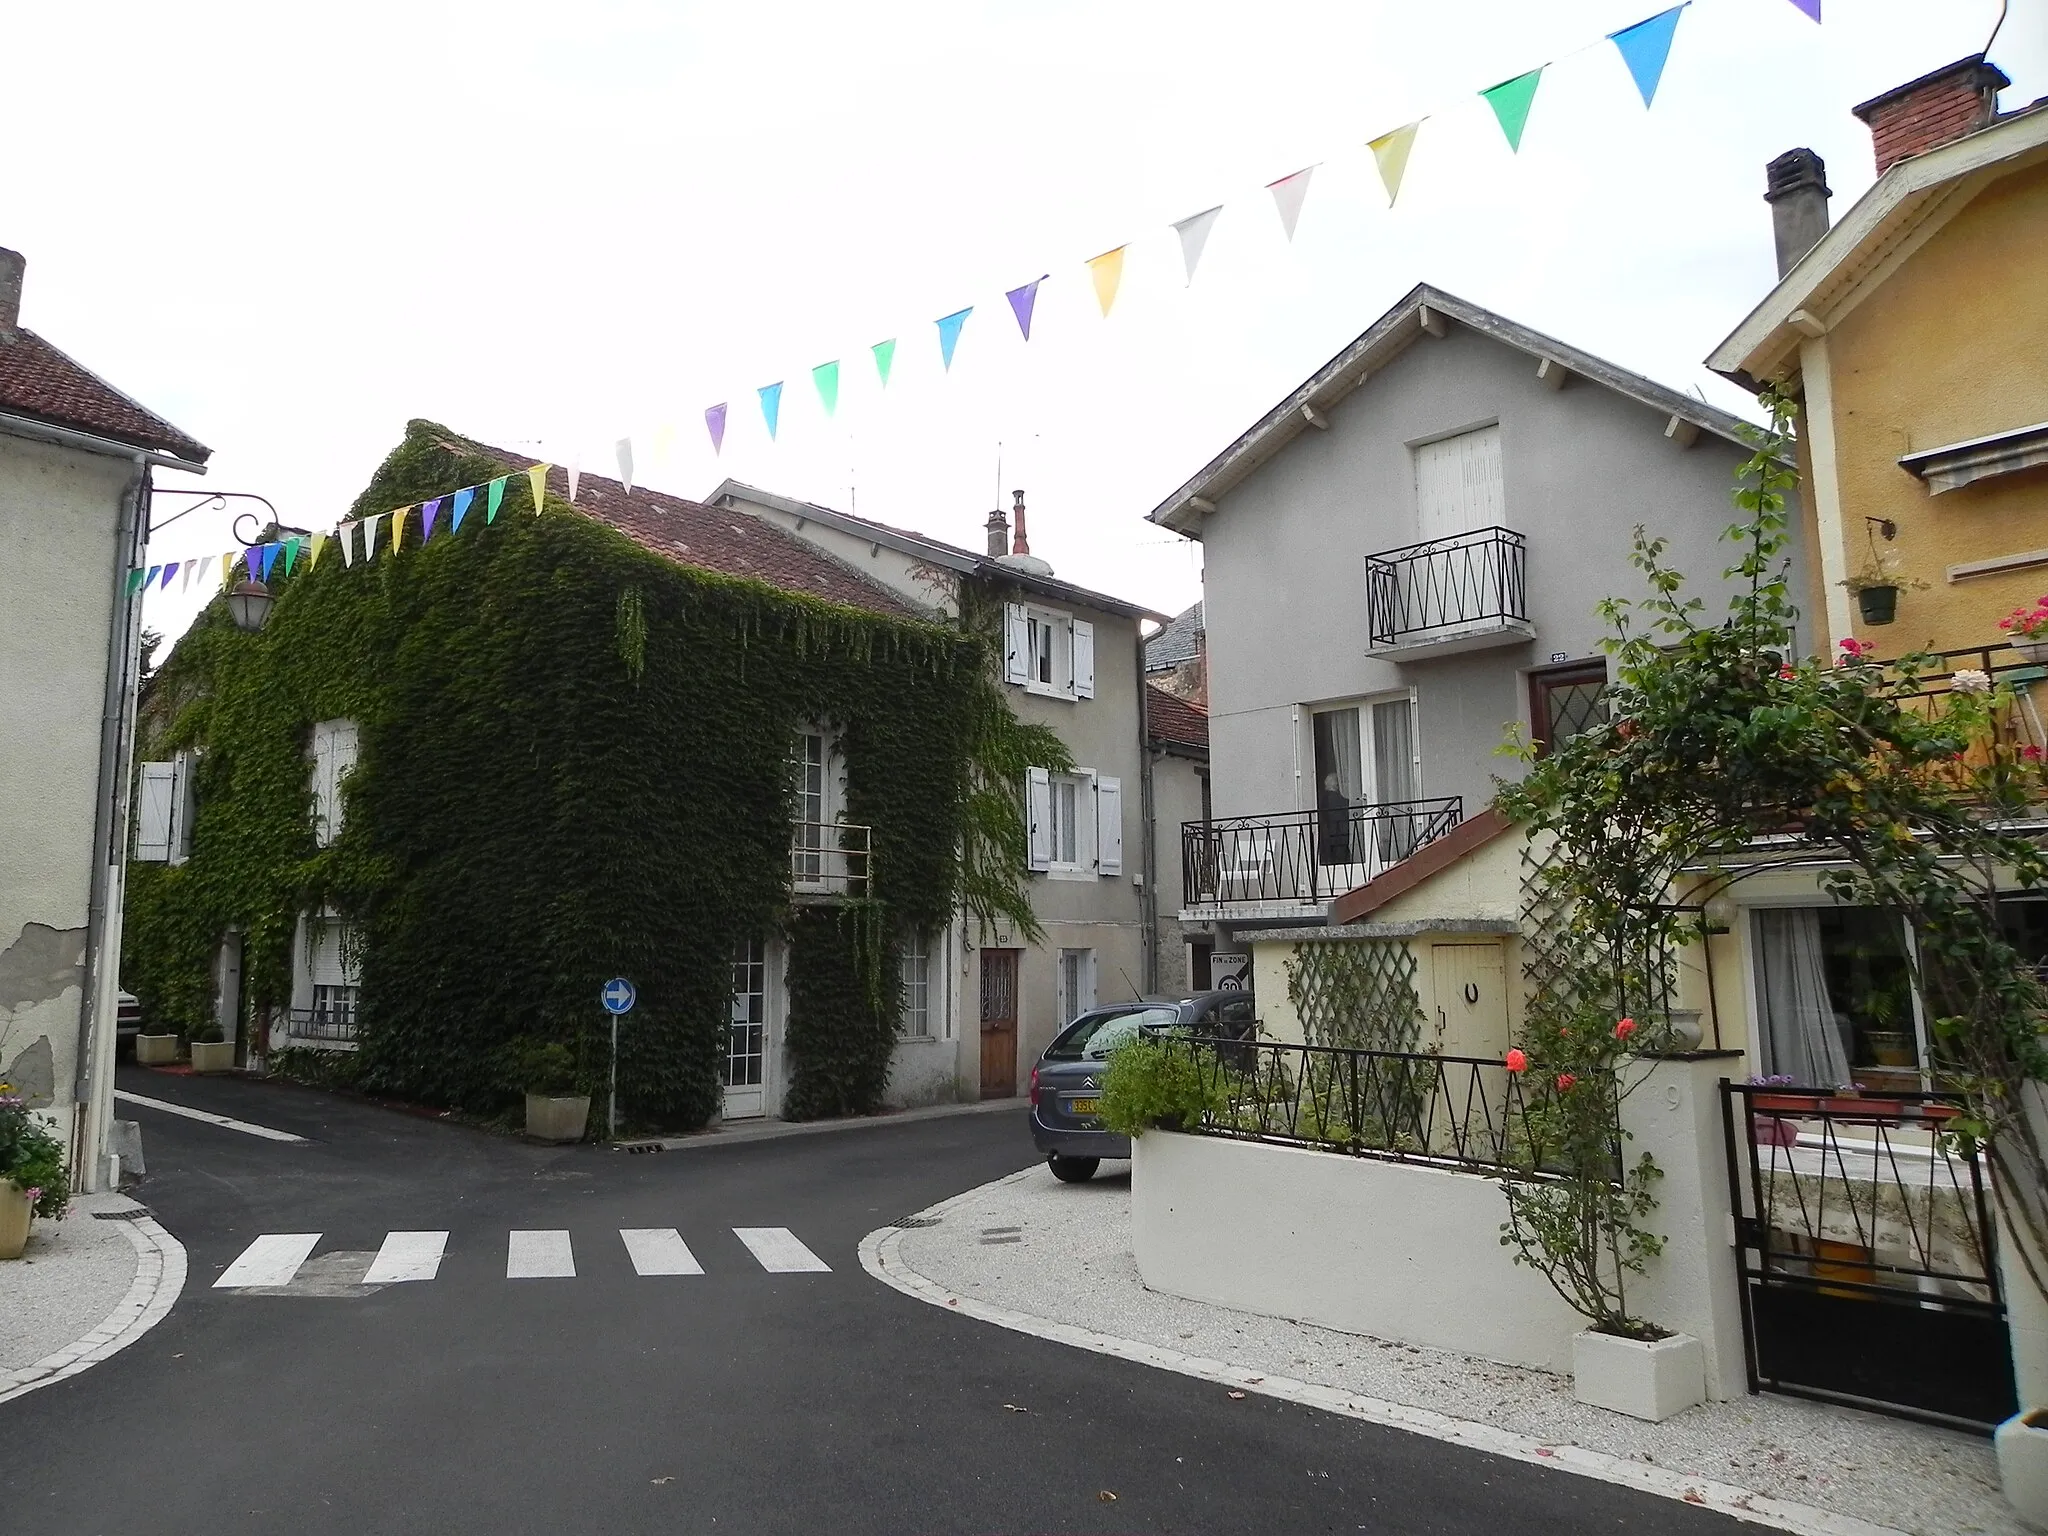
[1366,775]
[746,1058]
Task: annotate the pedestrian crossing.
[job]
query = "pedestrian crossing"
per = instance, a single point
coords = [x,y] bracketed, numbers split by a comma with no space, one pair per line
[273,1260]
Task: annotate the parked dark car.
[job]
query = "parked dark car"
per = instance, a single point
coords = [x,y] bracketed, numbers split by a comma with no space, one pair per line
[1066,1085]
[127,1023]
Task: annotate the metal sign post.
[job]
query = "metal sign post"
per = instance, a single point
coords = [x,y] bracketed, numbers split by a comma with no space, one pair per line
[618,997]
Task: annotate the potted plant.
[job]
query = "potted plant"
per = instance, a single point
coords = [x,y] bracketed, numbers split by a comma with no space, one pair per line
[545,1071]
[1156,1084]
[2026,630]
[157,1049]
[1876,588]
[210,1051]
[32,1178]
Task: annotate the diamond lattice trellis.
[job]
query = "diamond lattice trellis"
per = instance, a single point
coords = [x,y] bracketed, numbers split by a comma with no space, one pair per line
[1358,993]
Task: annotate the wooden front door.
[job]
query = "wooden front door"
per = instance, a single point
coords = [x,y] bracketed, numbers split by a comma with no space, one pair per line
[999,1023]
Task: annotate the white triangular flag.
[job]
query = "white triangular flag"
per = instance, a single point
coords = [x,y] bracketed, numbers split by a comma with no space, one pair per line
[370,537]
[625,451]
[185,581]
[1288,195]
[1194,234]
[345,536]
[575,474]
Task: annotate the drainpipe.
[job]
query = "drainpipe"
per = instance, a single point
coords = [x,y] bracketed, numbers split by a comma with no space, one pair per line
[1148,898]
[92,1088]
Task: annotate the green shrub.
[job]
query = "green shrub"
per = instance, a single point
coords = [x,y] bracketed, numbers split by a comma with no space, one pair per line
[534,1065]
[1153,1084]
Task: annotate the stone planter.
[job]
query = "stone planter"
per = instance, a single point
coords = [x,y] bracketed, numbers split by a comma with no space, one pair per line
[213,1055]
[155,1050]
[1644,1381]
[2022,1446]
[15,1215]
[2030,650]
[549,1118]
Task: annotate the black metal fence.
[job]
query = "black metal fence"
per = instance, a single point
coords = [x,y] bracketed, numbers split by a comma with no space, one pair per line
[1460,1111]
[1867,1253]
[1305,856]
[327,1026]
[1443,584]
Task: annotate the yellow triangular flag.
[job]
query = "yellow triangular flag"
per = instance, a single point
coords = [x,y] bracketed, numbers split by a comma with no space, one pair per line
[319,543]
[1391,151]
[227,568]
[1107,270]
[538,478]
[398,528]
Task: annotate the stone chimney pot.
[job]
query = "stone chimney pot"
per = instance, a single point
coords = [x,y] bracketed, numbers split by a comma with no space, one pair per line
[12,265]
[1796,187]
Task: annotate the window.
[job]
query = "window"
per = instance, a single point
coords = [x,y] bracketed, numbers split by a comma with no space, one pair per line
[1458,484]
[1077,983]
[746,1054]
[807,778]
[1075,822]
[1835,998]
[164,810]
[334,757]
[1365,761]
[1094,1038]
[336,970]
[917,990]
[1564,701]
[1049,652]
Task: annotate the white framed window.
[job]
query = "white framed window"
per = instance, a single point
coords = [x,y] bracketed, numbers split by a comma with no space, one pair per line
[1075,821]
[1049,652]
[336,970]
[164,810]
[1458,485]
[334,758]
[1076,983]
[817,783]
[746,1056]
[916,972]
[1368,771]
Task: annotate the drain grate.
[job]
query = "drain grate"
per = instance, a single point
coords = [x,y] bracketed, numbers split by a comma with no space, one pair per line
[138,1212]
[916,1221]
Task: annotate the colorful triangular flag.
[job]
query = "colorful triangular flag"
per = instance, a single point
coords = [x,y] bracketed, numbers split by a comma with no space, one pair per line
[253,558]
[227,569]
[885,358]
[494,499]
[1107,270]
[345,536]
[429,510]
[1289,192]
[1022,302]
[154,572]
[1390,153]
[169,571]
[398,529]
[1811,7]
[270,554]
[1510,102]
[714,422]
[370,538]
[826,377]
[624,450]
[949,333]
[463,498]
[319,549]
[291,555]
[537,477]
[1644,48]
[771,405]
[1194,234]
[136,578]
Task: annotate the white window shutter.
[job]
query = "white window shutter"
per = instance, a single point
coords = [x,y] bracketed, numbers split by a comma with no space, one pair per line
[183,804]
[1016,644]
[1038,816]
[153,801]
[1084,659]
[1090,994]
[1109,826]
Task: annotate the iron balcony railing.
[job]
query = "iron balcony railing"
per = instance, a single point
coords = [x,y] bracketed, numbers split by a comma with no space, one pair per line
[1442,586]
[328,1025]
[1305,856]
[830,858]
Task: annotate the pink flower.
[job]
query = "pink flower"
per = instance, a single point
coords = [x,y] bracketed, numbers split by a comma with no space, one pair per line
[1517,1062]
[1855,650]
[1788,673]
[2031,753]
[1624,1029]
[1565,1081]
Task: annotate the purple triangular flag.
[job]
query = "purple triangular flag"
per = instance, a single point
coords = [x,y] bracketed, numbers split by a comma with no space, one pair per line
[428,511]
[1021,302]
[169,571]
[1811,7]
[253,559]
[714,418]
[269,559]
[462,500]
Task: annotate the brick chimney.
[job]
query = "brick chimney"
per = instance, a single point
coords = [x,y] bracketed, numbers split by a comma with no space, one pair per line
[1934,110]
[998,528]
[12,265]
[1023,545]
[1796,187]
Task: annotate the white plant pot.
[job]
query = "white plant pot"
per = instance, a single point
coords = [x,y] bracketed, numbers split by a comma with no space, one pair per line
[2031,650]
[2022,1446]
[156,1050]
[558,1119]
[1644,1381]
[213,1055]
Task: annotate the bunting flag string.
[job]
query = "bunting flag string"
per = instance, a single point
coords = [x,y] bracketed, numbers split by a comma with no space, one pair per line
[398,529]
[885,358]
[1194,234]
[537,477]
[429,510]
[949,333]
[1510,101]
[1022,300]
[826,377]
[1645,46]
[714,423]
[492,502]
[1107,270]
[771,408]
[1390,154]
[1289,193]
[463,498]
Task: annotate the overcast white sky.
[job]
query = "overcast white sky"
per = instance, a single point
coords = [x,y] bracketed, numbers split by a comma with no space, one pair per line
[553,225]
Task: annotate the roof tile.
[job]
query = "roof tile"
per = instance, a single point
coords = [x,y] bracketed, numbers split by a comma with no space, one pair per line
[38,381]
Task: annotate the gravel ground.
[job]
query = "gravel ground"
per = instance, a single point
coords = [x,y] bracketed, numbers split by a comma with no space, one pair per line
[1066,1256]
[72,1274]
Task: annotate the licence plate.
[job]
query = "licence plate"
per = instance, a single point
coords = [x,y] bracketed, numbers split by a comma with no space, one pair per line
[1083,1106]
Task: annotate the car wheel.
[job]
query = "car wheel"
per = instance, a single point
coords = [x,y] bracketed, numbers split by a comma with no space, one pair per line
[1073,1170]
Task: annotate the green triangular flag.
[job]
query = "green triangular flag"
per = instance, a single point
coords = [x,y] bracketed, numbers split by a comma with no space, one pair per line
[497,498]
[1510,102]
[885,358]
[135,579]
[826,377]
[291,554]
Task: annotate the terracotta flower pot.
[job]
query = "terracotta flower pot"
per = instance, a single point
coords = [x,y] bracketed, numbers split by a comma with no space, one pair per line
[15,1215]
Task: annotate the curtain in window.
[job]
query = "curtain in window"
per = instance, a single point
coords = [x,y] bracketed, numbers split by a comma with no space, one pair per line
[1802,1038]
[1393,770]
[1339,782]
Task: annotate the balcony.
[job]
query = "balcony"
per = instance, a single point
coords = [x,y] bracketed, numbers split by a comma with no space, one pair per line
[1465,592]
[325,1027]
[830,858]
[1294,864]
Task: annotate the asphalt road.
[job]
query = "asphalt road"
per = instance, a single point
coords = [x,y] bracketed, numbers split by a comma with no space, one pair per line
[734,1401]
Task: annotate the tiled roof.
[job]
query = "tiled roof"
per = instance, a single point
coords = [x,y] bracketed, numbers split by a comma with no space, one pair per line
[1168,718]
[1176,643]
[38,381]
[713,538]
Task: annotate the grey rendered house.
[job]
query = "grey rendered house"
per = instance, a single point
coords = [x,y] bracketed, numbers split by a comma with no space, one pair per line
[1401,562]
[1074,661]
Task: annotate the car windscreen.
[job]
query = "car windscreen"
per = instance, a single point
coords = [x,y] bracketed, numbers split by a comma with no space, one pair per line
[1093,1037]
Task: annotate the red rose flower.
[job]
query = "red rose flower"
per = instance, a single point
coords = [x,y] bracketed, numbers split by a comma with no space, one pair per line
[1565,1081]
[1517,1062]
[1624,1029]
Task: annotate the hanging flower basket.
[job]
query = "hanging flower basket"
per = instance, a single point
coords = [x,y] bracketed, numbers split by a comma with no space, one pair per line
[1878,605]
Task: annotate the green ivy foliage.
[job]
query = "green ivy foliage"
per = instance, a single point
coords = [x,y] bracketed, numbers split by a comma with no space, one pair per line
[572,765]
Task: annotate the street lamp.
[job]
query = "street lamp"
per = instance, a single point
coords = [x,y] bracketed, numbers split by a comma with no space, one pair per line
[249,603]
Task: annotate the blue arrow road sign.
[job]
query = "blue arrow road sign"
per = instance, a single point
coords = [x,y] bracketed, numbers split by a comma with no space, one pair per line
[618,995]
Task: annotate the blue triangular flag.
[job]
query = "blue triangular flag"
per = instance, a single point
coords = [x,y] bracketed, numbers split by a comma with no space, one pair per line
[463,498]
[270,553]
[148,580]
[429,510]
[1644,48]
[949,333]
[771,404]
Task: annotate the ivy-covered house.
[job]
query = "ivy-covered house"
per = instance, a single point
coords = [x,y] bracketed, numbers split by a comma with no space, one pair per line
[448,789]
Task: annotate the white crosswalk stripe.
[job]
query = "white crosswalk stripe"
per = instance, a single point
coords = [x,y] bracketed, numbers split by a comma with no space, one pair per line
[659,1251]
[779,1251]
[271,1260]
[540,1256]
[407,1256]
